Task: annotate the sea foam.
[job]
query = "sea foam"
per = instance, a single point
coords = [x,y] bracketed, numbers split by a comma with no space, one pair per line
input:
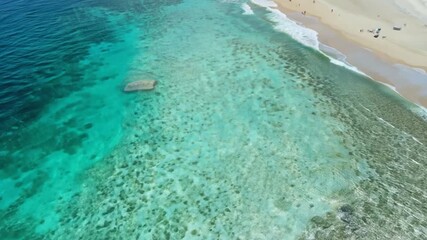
[306,36]
[347,65]
[247,10]
[265,3]
[303,35]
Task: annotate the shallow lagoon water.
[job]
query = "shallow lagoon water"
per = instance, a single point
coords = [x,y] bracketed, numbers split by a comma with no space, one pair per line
[249,135]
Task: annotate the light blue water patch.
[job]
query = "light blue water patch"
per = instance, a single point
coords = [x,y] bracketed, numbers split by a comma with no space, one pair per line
[9,192]
[233,143]
[248,135]
[72,134]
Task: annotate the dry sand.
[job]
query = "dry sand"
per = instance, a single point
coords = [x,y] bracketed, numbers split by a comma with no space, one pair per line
[380,58]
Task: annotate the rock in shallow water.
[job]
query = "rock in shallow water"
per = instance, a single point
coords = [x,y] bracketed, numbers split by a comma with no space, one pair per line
[345,213]
[142,85]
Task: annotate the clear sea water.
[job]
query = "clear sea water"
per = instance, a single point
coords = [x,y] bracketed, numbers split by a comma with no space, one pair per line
[249,134]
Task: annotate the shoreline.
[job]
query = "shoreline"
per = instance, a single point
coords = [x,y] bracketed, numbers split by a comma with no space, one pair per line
[354,19]
[408,81]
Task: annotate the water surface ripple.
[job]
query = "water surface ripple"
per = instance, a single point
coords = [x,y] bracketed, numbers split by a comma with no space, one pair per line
[248,134]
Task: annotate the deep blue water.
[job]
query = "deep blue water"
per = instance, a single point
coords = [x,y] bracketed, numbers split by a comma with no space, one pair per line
[41,41]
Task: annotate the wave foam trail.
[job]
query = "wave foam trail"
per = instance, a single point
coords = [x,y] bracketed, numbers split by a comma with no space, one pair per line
[247,10]
[349,66]
[264,3]
[420,111]
[304,35]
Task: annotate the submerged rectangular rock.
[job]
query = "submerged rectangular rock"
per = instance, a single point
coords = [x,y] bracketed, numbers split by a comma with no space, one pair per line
[141,85]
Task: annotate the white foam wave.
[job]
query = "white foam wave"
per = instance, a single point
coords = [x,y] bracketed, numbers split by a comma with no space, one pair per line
[230,1]
[346,65]
[308,37]
[418,70]
[247,10]
[420,111]
[304,35]
[390,86]
[264,3]
[422,71]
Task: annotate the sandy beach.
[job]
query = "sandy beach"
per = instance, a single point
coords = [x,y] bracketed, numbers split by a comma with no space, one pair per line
[395,57]
[354,19]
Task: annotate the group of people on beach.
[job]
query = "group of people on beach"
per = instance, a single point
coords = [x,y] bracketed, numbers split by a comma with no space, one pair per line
[376,32]
[305,12]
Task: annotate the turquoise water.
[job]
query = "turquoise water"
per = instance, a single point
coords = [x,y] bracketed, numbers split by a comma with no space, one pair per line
[248,135]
